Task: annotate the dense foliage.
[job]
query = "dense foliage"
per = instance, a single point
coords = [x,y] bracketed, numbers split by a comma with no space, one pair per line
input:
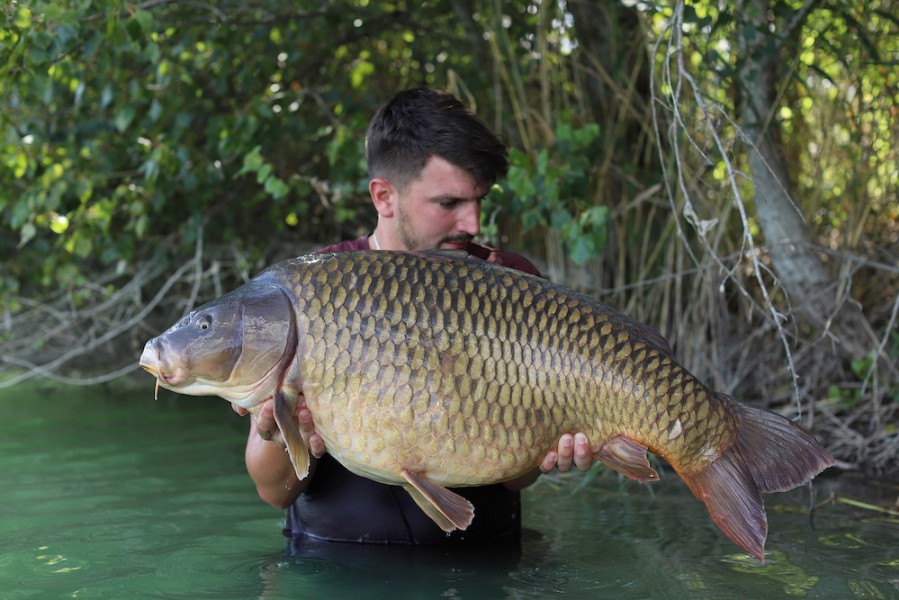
[140,140]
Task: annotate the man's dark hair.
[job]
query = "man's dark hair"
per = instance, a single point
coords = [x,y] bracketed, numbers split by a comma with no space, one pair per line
[419,123]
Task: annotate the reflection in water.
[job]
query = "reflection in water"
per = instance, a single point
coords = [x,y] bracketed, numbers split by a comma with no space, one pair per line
[108,494]
[777,568]
[378,571]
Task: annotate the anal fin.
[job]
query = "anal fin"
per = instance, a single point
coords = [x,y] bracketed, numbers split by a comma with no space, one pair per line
[296,449]
[628,457]
[447,509]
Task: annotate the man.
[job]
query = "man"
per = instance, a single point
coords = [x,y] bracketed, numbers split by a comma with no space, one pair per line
[430,161]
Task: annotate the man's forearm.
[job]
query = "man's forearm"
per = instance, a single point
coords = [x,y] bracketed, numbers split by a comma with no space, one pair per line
[270,468]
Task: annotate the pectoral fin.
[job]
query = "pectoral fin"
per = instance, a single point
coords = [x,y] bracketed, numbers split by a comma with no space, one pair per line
[628,457]
[296,449]
[449,510]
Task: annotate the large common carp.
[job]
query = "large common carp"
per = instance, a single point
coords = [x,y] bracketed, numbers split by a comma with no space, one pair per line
[430,371]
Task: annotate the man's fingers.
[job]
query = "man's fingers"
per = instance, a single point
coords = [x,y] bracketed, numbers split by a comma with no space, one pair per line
[316,445]
[267,427]
[304,421]
[549,463]
[265,422]
[313,441]
[566,452]
[263,428]
[583,458]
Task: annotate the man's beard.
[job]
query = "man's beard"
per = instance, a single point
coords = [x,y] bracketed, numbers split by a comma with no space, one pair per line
[412,241]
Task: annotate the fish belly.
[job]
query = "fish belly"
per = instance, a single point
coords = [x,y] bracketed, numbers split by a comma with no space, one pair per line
[379,430]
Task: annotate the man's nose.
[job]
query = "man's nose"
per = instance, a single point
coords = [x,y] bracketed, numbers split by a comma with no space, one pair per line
[470,218]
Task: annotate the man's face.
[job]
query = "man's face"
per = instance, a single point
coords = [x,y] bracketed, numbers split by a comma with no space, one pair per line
[440,209]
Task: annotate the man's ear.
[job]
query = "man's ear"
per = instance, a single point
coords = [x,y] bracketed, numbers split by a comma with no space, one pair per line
[383,196]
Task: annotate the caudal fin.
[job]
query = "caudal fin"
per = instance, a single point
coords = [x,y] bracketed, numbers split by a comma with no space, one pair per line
[770,454]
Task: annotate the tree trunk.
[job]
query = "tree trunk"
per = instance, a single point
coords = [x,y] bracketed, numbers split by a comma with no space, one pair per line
[812,290]
[615,70]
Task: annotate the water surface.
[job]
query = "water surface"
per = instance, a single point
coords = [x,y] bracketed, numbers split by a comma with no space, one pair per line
[106,493]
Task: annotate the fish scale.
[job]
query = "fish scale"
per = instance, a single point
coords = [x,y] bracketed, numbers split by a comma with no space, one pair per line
[447,359]
[429,371]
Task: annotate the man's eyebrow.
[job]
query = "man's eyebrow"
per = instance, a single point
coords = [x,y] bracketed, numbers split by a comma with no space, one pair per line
[454,198]
[448,198]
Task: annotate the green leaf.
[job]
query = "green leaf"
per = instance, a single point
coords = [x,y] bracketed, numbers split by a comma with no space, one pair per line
[22,20]
[559,217]
[542,162]
[145,19]
[585,135]
[26,234]
[106,96]
[141,225]
[582,248]
[123,118]
[263,173]
[19,164]
[252,161]
[520,183]
[156,110]
[276,188]
[564,132]
[596,216]
[59,224]
[80,245]
[518,158]
[360,72]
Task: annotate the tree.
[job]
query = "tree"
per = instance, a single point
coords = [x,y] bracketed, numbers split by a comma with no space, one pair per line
[745,112]
[760,77]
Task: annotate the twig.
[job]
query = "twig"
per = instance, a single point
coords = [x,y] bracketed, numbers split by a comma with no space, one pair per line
[674,30]
[47,369]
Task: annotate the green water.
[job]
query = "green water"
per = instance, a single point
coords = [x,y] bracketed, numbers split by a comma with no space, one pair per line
[106,493]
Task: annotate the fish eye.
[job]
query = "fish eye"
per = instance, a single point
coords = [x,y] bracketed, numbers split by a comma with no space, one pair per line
[204,322]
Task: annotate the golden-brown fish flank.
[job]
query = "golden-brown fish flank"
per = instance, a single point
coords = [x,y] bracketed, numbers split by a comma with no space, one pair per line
[429,371]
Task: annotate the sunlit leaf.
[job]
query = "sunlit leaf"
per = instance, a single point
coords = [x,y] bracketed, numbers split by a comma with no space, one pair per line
[22,18]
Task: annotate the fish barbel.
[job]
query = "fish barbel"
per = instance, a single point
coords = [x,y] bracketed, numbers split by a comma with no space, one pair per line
[430,371]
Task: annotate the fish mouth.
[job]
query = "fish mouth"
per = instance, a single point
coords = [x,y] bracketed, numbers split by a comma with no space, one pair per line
[152,370]
[163,378]
[151,362]
[160,377]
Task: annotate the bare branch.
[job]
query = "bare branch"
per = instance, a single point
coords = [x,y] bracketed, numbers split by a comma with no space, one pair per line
[710,116]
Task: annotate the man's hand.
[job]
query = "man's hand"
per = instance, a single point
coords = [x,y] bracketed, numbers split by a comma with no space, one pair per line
[268,430]
[573,450]
[313,441]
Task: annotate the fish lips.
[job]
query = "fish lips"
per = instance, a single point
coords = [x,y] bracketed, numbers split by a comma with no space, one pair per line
[151,361]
